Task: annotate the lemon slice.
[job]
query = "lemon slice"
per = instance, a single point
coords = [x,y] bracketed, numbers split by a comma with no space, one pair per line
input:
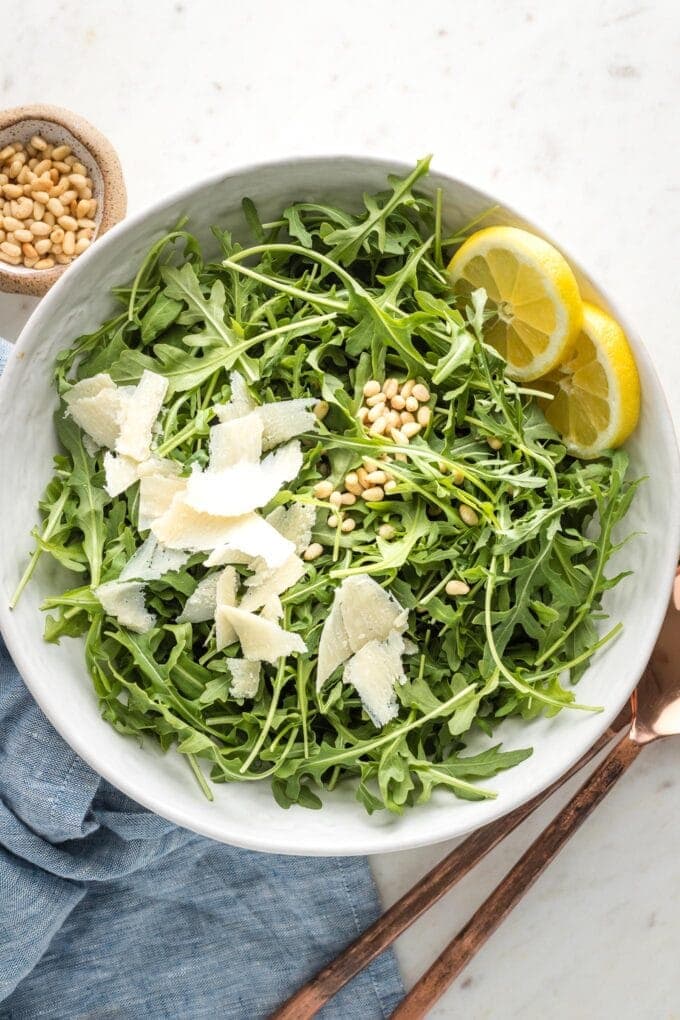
[532,292]
[596,392]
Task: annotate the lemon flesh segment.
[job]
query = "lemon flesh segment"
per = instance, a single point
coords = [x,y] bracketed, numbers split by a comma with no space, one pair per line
[596,392]
[532,291]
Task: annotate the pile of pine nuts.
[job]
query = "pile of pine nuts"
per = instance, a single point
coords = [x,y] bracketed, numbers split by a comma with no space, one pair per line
[47,212]
[399,410]
[371,482]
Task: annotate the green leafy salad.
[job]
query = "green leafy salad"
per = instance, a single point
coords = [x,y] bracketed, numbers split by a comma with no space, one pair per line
[316,533]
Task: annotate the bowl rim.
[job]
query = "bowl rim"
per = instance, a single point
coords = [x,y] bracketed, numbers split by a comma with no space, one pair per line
[387,839]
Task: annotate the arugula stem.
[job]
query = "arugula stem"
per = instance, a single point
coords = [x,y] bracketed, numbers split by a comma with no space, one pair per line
[48,531]
[200,778]
[273,705]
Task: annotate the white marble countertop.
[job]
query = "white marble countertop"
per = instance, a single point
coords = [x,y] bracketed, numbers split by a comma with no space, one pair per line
[570,113]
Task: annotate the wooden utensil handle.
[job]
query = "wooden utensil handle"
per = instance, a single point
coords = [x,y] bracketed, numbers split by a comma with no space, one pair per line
[451,869]
[512,888]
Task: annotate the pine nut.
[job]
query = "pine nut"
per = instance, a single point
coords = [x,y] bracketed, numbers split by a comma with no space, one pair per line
[421,393]
[12,260]
[10,223]
[377,477]
[86,193]
[468,515]
[407,388]
[398,402]
[423,416]
[12,190]
[8,151]
[377,411]
[370,464]
[44,166]
[349,498]
[378,427]
[377,398]
[373,495]
[390,388]
[40,196]
[40,229]
[57,235]
[10,248]
[38,142]
[457,588]
[63,260]
[362,475]
[494,443]
[386,531]
[321,408]
[49,219]
[14,169]
[335,498]
[348,525]
[411,429]
[362,414]
[61,151]
[69,243]
[69,196]
[38,210]
[82,245]
[401,457]
[393,420]
[67,222]
[390,486]
[406,416]
[312,552]
[333,520]
[412,404]
[55,207]
[45,263]
[23,236]
[59,188]
[78,181]
[371,388]
[28,250]
[398,437]
[3,235]
[78,168]
[42,247]
[92,207]
[321,490]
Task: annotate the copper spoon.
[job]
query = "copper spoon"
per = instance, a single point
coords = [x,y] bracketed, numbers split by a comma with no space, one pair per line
[656,713]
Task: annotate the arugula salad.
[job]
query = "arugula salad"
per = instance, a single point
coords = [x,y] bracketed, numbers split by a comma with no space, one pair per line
[316,532]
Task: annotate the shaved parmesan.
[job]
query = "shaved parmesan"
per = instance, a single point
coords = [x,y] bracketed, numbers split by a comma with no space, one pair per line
[262,640]
[121,473]
[265,583]
[235,441]
[362,611]
[245,678]
[241,402]
[284,419]
[182,527]
[225,554]
[90,387]
[162,466]
[225,593]
[140,413]
[151,562]
[374,671]
[202,602]
[124,600]
[295,523]
[334,646]
[369,613]
[272,609]
[243,487]
[99,415]
[156,493]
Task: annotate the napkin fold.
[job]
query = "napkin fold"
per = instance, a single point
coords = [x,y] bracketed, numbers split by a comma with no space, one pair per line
[109,911]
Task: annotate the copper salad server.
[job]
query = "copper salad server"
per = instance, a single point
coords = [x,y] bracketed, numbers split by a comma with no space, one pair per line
[654,712]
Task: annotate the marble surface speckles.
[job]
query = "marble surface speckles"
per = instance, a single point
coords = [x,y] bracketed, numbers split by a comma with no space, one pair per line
[570,113]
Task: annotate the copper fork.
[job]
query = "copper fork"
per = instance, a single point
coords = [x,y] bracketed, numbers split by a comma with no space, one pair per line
[655,713]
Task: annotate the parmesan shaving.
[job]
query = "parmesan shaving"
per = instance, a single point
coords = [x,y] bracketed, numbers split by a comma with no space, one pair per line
[243,486]
[140,413]
[156,493]
[245,678]
[266,583]
[120,472]
[285,419]
[241,402]
[374,671]
[124,600]
[151,562]
[225,596]
[262,640]
[235,441]
[202,603]
[295,523]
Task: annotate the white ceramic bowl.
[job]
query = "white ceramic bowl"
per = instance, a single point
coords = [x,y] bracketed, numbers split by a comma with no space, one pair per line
[246,814]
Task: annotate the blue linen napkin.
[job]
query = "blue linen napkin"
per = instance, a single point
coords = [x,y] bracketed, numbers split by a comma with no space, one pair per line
[109,911]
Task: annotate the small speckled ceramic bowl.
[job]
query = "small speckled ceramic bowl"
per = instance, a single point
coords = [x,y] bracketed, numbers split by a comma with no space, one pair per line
[93,150]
